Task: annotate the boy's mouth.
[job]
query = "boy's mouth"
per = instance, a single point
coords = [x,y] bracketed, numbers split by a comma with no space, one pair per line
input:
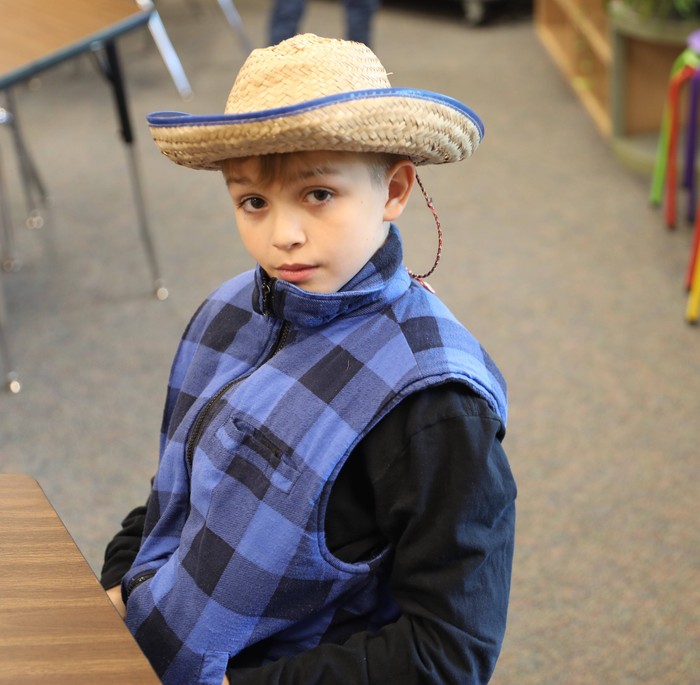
[295,273]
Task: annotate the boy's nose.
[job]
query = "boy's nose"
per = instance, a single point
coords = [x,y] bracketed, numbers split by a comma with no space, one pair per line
[287,231]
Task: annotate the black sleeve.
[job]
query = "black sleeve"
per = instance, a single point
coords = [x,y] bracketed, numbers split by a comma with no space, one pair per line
[123,548]
[445,500]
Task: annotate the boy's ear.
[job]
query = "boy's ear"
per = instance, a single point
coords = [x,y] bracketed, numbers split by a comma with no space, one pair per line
[400,179]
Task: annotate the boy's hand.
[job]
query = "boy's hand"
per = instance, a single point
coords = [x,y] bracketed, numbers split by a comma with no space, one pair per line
[226,681]
[115,594]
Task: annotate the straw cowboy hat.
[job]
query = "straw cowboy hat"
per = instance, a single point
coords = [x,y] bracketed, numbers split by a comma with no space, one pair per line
[311,94]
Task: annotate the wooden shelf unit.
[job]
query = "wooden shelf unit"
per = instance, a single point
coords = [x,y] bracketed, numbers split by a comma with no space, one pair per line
[643,55]
[575,34]
[619,66]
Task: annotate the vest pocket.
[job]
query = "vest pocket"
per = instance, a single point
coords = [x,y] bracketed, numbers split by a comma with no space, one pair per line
[258,454]
[213,668]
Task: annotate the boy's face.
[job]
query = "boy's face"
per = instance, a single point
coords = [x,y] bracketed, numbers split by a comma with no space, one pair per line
[318,222]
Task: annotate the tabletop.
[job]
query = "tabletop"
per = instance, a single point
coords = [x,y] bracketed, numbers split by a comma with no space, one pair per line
[57,625]
[36,34]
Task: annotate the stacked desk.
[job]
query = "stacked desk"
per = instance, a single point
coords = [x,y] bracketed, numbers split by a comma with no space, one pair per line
[38,34]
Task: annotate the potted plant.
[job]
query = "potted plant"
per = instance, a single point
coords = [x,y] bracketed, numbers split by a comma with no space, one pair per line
[662,21]
[665,9]
[647,38]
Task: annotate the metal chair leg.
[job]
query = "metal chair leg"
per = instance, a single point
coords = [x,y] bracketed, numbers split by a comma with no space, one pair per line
[159,288]
[34,189]
[9,261]
[11,377]
[167,51]
[235,22]
[12,382]
[112,72]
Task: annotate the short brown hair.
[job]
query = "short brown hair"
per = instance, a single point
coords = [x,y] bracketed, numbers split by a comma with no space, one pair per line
[278,165]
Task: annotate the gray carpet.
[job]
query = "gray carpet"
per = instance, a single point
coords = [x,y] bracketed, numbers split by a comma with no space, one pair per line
[552,257]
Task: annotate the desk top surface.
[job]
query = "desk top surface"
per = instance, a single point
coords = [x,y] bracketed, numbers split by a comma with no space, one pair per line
[36,34]
[57,625]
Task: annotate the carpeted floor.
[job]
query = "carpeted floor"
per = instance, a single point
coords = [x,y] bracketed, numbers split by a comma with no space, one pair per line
[552,257]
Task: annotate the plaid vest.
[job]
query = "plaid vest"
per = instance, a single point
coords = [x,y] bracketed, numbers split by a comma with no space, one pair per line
[271,389]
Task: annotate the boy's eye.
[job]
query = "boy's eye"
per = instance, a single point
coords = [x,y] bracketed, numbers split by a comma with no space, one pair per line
[319,195]
[252,204]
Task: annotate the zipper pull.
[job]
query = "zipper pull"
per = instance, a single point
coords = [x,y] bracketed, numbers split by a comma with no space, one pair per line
[267,292]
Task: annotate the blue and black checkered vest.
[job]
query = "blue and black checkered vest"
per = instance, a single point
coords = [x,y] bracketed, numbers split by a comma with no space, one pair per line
[271,389]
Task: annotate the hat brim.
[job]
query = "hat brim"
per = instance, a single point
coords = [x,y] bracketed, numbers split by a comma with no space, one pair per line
[427,127]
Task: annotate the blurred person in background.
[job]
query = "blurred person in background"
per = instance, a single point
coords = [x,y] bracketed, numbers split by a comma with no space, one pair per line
[287,14]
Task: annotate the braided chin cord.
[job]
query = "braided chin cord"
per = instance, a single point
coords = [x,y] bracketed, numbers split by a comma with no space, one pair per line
[421,277]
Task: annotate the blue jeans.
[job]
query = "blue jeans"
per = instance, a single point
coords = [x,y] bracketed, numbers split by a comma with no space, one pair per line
[286,16]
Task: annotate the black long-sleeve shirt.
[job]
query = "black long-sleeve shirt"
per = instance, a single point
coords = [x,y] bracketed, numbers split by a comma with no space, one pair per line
[432,480]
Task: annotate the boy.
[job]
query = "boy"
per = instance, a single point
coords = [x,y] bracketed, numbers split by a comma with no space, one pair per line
[332,503]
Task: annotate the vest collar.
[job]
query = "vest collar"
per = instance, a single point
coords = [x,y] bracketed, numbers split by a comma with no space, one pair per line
[377,284]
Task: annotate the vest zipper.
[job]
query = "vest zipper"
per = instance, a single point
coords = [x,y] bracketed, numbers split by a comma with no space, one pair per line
[199,421]
[198,425]
[268,285]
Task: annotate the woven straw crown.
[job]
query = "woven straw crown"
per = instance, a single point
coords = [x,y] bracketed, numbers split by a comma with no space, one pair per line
[310,94]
